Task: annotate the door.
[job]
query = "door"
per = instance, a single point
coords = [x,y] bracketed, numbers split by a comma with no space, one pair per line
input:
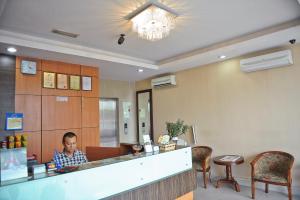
[109,122]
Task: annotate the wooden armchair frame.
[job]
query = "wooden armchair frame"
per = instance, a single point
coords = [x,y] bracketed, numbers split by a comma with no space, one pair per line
[204,164]
[289,177]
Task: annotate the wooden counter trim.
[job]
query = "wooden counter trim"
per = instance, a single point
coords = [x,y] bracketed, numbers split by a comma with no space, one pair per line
[99,153]
[170,188]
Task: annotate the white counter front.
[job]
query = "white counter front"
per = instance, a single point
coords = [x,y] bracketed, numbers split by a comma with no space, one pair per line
[96,181]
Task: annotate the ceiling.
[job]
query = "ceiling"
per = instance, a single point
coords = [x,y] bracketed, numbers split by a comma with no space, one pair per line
[204,30]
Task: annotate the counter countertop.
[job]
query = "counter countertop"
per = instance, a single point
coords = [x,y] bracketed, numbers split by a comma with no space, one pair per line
[89,165]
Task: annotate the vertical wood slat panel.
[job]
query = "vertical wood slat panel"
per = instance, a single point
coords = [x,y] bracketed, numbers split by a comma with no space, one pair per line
[169,188]
[52,140]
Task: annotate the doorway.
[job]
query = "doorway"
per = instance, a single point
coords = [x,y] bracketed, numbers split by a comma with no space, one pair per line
[109,122]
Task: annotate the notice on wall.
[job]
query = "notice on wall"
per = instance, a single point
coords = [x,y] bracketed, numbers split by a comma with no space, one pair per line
[87,83]
[74,82]
[14,121]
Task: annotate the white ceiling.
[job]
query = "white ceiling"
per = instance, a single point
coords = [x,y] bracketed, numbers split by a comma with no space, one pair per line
[205,29]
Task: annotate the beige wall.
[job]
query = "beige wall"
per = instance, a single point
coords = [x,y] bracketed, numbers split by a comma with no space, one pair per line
[125,92]
[236,112]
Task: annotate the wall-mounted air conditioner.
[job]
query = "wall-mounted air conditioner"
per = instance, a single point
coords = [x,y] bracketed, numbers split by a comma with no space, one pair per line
[163,81]
[267,61]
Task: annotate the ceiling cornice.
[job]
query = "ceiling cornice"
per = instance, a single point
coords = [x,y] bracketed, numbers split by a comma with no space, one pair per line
[198,52]
[19,39]
[266,38]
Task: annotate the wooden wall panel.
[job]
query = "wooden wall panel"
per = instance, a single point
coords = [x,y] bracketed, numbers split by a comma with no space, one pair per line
[34,145]
[26,83]
[61,114]
[59,92]
[30,106]
[89,71]
[90,137]
[99,153]
[90,112]
[63,68]
[52,140]
[60,67]
[46,118]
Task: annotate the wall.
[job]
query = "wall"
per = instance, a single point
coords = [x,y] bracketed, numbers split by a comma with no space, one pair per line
[125,92]
[7,90]
[236,112]
[47,118]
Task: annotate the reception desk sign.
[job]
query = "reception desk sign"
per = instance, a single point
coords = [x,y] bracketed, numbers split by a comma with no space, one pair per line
[14,121]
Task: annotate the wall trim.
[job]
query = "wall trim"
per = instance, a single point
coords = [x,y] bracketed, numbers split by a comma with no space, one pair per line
[20,39]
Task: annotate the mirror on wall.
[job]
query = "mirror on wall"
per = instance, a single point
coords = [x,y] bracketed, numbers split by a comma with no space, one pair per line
[144,114]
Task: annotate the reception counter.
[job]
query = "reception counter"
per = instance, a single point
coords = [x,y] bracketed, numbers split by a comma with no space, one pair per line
[163,175]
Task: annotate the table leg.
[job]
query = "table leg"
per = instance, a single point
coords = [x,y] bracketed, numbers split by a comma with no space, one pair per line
[229,179]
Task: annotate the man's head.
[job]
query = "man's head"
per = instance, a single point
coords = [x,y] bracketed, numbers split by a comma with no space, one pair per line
[70,142]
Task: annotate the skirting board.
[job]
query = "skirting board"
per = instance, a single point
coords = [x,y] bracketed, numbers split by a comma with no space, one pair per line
[258,185]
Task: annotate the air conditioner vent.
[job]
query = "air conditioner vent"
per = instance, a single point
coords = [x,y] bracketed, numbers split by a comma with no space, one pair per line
[267,61]
[163,81]
[64,33]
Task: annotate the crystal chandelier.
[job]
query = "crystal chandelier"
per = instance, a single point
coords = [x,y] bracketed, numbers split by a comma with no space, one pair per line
[153,23]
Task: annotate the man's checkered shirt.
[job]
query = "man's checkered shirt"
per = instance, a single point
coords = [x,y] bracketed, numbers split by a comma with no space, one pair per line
[77,159]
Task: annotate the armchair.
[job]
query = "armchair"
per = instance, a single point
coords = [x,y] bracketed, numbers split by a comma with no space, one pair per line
[272,167]
[201,156]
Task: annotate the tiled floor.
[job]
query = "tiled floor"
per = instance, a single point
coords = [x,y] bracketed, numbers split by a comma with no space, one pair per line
[226,192]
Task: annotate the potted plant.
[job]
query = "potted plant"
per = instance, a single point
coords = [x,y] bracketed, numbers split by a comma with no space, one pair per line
[176,129]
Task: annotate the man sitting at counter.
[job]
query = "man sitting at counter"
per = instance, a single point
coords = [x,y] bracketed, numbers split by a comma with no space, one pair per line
[70,156]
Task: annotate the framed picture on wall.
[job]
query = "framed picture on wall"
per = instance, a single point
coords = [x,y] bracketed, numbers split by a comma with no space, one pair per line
[86,83]
[74,82]
[62,81]
[49,80]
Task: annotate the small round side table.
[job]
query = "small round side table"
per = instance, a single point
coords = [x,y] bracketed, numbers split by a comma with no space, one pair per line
[221,160]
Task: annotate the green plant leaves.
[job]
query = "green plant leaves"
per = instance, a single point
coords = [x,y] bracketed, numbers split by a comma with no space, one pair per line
[177,128]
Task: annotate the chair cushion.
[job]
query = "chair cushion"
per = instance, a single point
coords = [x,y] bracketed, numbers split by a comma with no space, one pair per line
[271,177]
[197,166]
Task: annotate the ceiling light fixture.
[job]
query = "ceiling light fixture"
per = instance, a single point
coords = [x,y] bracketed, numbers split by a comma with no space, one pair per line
[11,49]
[153,21]
[222,56]
[140,70]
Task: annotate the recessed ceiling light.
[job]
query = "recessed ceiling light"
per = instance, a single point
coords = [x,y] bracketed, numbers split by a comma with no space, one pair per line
[11,49]
[222,56]
[140,70]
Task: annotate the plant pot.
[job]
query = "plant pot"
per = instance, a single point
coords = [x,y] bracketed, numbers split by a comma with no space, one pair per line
[175,139]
